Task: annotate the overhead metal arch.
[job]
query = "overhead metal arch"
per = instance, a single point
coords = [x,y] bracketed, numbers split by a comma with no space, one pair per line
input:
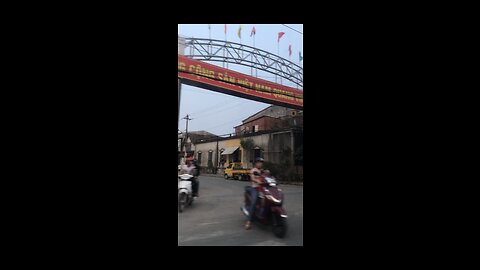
[236,53]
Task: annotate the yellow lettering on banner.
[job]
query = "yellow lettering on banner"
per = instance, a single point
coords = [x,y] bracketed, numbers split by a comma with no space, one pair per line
[181,66]
[225,77]
[245,83]
[191,69]
[211,74]
[198,70]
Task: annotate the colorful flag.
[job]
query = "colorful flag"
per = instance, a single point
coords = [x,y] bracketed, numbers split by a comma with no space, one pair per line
[280,35]
[289,50]
[254,32]
[225,29]
[300,56]
[239,32]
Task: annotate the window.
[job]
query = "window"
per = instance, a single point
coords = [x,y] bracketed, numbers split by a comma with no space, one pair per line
[199,158]
[258,153]
[210,161]
[236,156]
[253,129]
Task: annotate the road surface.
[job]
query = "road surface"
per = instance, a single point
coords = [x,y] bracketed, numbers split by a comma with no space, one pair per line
[215,218]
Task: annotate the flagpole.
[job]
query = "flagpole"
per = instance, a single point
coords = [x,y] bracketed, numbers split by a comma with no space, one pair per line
[251,55]
[278,55]
[256,75]
[210,37]
[225,32]
[241,44]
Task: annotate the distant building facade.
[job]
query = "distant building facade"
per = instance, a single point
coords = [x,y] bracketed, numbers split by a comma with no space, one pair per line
[271,118]
[273,145]
[186,146]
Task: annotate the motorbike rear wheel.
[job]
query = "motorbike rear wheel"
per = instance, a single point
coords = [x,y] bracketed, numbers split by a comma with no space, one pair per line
[190,202]
[182,199]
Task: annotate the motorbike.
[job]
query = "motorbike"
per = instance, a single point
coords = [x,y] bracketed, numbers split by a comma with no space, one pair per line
[273,212]
[185,196]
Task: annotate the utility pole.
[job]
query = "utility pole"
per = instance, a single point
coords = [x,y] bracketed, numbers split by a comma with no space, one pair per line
[186,136]
[216,158]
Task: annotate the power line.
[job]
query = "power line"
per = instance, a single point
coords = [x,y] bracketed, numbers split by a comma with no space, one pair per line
[216,109]
[222,109]
[292,29]
[238,119]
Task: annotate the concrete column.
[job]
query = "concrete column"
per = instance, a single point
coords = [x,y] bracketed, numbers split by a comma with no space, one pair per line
[179,93]
[292,143]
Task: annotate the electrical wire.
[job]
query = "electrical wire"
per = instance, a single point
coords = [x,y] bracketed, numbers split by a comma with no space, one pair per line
[292,29]
[216,108]
[222,110]
[238,119]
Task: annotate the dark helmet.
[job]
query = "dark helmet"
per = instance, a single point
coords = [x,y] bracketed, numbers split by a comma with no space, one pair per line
[259,160]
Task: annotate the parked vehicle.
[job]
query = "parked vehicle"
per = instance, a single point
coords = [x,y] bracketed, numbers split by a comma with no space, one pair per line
[235,170]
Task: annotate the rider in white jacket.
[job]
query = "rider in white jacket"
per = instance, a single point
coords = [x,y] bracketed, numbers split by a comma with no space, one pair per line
[190,168]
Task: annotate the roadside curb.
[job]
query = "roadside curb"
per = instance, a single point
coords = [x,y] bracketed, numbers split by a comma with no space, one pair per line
[282,183]
[212,175]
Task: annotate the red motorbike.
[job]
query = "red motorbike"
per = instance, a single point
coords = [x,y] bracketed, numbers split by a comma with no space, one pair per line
[271,200]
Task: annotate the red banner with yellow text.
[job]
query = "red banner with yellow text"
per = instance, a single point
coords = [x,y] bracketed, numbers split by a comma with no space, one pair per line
[208,76]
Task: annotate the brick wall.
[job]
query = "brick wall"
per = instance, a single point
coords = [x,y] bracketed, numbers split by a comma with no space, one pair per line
[263,123]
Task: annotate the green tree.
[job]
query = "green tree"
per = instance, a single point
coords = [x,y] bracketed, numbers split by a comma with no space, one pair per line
[247,145]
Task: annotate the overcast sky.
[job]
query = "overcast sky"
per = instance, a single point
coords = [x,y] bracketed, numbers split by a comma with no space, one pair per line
[219,113]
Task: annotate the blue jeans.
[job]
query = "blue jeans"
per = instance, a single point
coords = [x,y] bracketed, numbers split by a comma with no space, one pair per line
[253,202]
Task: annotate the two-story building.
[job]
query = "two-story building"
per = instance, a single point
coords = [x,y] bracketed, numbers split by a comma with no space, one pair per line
[270,118]
[275,132]
[186,146]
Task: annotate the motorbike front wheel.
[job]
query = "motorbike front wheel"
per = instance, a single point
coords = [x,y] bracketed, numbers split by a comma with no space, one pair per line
[182,199]
[280,227]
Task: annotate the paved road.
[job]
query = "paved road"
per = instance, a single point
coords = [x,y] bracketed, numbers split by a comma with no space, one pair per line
[215,218]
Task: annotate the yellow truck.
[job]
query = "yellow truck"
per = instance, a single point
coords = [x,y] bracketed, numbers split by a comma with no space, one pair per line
[235,170]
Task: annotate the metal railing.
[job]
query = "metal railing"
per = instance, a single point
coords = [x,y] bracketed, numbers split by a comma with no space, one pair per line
[236,53]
